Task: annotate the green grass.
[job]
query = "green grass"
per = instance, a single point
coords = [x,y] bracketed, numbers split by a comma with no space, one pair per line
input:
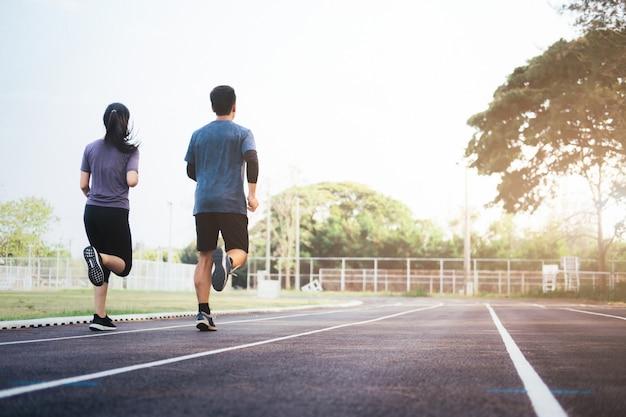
[66,303]
[26,305]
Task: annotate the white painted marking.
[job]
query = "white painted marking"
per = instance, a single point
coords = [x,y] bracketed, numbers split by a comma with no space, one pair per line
[11,392]
[85,336]
[59,321]
[119,332]
[596,314]
[543,401]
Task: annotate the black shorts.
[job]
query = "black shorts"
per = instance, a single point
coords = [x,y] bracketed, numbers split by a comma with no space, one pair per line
[234,228]
[108,231]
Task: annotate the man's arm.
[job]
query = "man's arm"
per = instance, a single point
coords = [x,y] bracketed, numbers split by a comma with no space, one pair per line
[252,173]
[253,203]
[191,171]
[252,166]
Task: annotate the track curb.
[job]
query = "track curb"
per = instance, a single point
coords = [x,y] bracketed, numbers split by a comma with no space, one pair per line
[64,321]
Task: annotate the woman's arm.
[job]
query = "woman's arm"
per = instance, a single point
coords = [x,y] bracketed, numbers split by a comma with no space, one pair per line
[132,178]
[84,182]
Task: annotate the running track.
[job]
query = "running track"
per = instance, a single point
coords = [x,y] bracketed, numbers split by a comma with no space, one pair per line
[384,357]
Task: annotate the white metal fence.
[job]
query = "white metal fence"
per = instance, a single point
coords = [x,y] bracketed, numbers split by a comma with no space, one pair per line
[453,282]
[60,273]
[431,276]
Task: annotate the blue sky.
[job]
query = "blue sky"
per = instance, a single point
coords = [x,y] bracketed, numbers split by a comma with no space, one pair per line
[367,91]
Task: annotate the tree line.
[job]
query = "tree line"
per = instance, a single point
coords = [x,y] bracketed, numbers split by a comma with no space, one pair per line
[342,219]
[351,220]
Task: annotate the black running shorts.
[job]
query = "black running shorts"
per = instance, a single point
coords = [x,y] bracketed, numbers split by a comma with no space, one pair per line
[233,226]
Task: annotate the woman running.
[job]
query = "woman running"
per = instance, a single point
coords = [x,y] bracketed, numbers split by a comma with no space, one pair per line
[109,167]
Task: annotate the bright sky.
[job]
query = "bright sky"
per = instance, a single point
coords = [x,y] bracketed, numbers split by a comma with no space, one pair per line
[376,92]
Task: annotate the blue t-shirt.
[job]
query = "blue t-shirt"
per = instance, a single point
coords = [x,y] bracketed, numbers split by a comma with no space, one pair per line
[217,151]
[108,167]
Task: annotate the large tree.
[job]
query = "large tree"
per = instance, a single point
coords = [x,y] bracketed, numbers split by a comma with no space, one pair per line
[343,220]
[598,14]
[354,220]
[605,21]
[560,115]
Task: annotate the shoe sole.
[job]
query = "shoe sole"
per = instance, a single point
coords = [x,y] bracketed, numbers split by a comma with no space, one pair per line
[219,278]
[204,327]
[94,269]
[99,327]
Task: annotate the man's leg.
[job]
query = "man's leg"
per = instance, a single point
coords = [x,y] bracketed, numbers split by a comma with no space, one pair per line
[202,282]
[234,228]
[202,276]
[238,257]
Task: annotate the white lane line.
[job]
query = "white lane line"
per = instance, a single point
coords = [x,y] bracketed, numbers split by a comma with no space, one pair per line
[115,333]
[60,321]
[85,336]
[595,314]
[119,332]
[544,403]
[11,392]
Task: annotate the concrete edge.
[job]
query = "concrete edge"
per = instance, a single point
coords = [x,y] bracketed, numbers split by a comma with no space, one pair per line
[63,321]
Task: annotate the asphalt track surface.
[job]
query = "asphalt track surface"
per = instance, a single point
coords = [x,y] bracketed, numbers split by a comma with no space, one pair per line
[385,357]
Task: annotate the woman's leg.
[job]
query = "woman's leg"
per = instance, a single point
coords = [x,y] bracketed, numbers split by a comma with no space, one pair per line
[114,263]
[100,298]
[116,249]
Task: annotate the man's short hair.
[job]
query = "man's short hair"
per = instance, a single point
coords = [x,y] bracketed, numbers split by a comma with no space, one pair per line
[223,99]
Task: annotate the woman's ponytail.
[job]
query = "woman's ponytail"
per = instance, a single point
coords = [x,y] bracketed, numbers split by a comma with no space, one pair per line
[116,117]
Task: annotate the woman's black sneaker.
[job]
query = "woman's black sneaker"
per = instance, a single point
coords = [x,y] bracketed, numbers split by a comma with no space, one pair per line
[98,323]
[94,266]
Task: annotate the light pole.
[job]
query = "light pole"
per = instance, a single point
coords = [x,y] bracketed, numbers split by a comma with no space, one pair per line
[268,233]
[29,279]
[466,241]
[169,246]
[297,243]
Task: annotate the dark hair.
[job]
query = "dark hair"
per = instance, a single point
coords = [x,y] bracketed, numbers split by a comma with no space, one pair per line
[222,99]
[116,117]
